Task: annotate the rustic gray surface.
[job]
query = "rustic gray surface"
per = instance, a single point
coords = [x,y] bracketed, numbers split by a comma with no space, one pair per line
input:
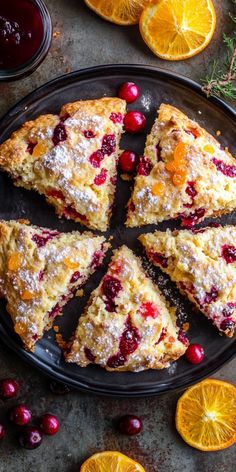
[87,421]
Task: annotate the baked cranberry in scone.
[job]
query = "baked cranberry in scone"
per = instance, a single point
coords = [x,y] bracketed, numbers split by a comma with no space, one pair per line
[40,269]
[70,158]
[203,265]
[125,328]
[184,173]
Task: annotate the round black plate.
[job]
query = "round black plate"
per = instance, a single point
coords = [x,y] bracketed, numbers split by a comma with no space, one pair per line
[157,86]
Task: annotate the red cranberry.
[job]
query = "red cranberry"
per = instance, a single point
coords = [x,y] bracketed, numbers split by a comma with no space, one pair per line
[20,415]
[192,219]
[192,192]
[195,353]
[129,91]
[130,339]
[55,311]
[75,277]
[130,425]
[55,194]
[8,388]
[30,437]
[162,336]
[108,144]
[70,212]
[134,122]
[110,306]
[116,117]
[193,132]
[159,259]
[145,166]
[116,361]
[128,161]
[226,169]
[229,310]
[131,206]
[149,310]
[97,259]
[88,133]
[111,287]
[42,239]
[59,134]
[227,324]
[58,388]
[88,353]
[2,431]
[229,253]
[49,424]
[183,338]
[96,158]
[211,296]
[158,152]
[101,178]
[30,147]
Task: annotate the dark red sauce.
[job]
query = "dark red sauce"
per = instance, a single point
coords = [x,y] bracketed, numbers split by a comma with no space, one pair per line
[21,32]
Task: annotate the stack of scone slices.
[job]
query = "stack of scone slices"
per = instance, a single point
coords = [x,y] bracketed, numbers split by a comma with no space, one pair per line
[72,160]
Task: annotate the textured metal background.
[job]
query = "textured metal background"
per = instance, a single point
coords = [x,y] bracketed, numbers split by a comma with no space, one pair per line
[82,40]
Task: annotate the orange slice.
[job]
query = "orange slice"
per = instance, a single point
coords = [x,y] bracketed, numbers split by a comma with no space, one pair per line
[121,12]
[110,461]
[206,415]
[176,30]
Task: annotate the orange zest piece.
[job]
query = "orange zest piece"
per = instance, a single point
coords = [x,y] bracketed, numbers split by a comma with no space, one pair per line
[121,12]
[15,261]
[111,461]
[177,167]
[206,415]
[179,177]
[20,328]
[27,295]
[209,148]
[158,189]
[180,152]
[176,30]
[171,166]
[40,149]
[70,264]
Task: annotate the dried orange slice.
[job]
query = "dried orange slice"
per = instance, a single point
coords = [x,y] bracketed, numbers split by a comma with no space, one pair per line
[121,12]
[206,415]
[176,30]
[110,461]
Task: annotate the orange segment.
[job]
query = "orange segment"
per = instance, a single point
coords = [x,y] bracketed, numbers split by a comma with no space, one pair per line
[110,461]
[14,261]
[176,30]
[122,12]
[206,415]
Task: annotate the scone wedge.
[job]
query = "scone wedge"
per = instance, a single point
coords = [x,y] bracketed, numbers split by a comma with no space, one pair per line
[71,159]
[203,265]
[39,271]
[185,173]
[128,325]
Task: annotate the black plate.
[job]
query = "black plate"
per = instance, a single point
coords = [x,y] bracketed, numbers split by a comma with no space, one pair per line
[157,86]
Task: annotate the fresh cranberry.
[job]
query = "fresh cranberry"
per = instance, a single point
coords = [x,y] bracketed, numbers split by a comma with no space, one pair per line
[116,117]
[55,311]
[226,169]
[145,166]
[96,158]
[158,152]
[195,353]
[110,305]
[58,388]
[149,310]
[88,133]
[70,212]
[229,310]
[20,415]
[130,425]
[59,134]
[55,194]
[128,161]
[111,287]
[192,219]
[88,353]
[30,437]
[75,277]
[113,180]
[183,338]
[101,178]
[49,424]
[131,206]
[30,147]
[129,91]
[229,253]
[191,192]
[2,431]
[227,324]
[159,259]
[162,336]
[211,296]
[42,239]
[8,388]
[108,144]
[130,339]
[116,361]
[134,122]
[97,259]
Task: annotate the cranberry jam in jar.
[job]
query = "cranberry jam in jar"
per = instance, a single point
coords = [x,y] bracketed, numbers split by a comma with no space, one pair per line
[25,37]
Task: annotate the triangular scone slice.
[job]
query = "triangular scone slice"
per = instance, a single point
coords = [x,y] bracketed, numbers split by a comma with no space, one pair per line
[39,271]
[203,265]
[71,158]
[127,325]
[185,174]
